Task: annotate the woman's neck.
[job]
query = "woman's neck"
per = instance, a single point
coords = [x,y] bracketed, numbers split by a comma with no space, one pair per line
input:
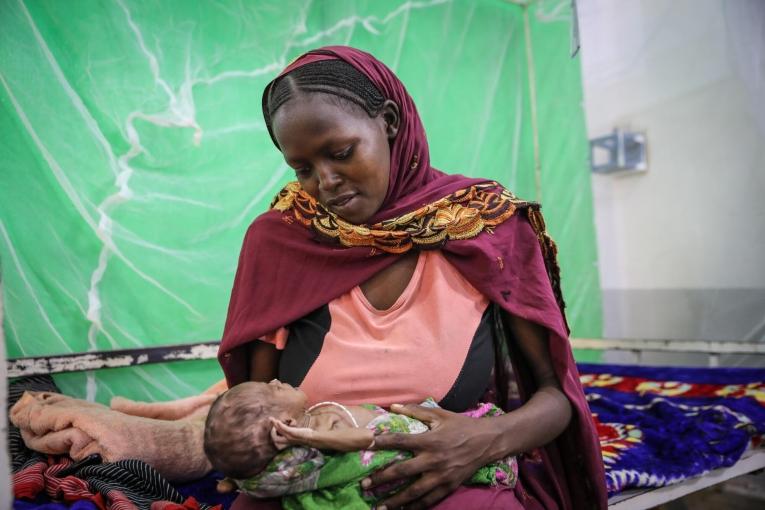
[384,288]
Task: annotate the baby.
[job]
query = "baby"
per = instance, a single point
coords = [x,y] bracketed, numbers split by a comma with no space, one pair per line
[249,425]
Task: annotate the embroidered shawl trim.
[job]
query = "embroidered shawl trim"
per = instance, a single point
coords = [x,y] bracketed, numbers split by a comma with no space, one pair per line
[461,215]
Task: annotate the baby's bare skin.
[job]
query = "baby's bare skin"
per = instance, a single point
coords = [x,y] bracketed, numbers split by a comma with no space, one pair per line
[327,427]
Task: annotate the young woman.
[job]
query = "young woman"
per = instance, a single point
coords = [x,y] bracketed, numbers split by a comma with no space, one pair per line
[377,278]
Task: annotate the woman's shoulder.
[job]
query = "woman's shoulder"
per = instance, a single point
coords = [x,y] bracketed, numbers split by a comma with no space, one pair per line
[270,226]
[265,220]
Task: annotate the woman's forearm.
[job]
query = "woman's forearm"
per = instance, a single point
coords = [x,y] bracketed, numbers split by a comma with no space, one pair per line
[539,421]
[263,361]
[547,413]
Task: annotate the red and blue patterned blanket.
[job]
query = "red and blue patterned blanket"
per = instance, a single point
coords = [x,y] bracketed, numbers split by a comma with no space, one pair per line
[661,425]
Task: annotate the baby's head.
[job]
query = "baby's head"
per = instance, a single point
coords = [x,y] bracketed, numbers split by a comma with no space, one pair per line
[238,438]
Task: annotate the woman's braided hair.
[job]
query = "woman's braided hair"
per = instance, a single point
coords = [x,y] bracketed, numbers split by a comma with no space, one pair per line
[335,77]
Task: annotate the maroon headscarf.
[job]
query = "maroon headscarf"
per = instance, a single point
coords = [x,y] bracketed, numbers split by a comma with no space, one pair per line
[284,274]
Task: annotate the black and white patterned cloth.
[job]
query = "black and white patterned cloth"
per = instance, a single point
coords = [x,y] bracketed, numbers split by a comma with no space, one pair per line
[136,480]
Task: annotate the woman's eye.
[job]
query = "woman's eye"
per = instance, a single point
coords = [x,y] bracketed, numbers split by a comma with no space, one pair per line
[303,173]
[344,154]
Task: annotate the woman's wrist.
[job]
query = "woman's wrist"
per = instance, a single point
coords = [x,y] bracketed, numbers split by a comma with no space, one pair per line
[538,422]
[502,444]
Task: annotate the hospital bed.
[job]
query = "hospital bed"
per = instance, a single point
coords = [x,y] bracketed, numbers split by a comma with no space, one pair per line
[752,460]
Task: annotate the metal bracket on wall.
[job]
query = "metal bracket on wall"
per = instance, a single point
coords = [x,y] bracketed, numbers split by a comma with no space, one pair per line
[618,152]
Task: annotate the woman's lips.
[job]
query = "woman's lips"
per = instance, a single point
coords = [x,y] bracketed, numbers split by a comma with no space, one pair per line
[342,202]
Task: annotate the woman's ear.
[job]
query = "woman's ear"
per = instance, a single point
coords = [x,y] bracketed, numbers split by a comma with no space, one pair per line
[392,117]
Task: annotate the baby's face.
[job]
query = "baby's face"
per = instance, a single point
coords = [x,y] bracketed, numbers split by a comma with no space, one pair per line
[287,397]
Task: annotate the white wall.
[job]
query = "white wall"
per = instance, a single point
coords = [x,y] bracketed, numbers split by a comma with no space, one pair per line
[682,246]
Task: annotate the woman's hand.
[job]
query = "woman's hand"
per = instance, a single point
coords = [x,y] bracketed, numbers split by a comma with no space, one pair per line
[454,448]
[283,435]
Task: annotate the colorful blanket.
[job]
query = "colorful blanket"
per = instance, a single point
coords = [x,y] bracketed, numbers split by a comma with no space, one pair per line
[662,425]
[309,479]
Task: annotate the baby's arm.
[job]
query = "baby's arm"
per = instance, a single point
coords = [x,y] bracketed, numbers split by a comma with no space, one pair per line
[341,440]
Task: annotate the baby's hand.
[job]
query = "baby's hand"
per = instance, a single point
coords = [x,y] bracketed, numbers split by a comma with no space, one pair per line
[284,435]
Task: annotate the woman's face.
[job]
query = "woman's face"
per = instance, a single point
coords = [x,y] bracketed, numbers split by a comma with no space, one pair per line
[340,155]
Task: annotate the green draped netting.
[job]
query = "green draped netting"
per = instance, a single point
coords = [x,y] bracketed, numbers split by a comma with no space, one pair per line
[134,154]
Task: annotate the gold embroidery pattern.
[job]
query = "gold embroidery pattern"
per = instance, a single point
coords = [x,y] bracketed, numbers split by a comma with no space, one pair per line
[462,215]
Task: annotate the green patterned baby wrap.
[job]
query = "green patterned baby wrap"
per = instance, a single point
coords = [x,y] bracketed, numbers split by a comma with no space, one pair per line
[307,478]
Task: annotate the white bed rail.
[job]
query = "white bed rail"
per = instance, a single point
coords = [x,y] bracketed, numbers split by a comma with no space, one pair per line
[712,348]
